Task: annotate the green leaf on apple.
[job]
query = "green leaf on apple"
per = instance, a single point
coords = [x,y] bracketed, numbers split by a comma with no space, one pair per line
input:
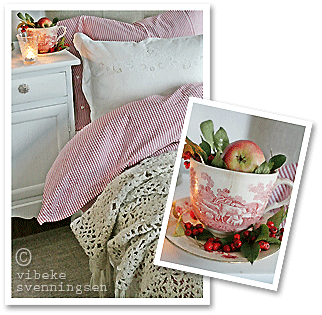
[278,161]
[207,130]
[221,140]
[250,251]
[264,168]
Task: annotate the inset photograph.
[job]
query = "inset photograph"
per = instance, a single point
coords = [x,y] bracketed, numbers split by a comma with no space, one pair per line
[233,193]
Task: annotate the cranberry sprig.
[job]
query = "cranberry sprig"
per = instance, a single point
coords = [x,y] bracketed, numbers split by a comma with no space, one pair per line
[249,242]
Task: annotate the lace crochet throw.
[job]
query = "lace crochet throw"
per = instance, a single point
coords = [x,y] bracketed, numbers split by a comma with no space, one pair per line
[120,232]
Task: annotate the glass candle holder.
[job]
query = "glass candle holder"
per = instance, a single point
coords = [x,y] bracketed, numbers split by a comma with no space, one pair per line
[29,48]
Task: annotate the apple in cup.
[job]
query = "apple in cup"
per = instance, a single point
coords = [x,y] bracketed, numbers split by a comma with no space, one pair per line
[44,22]
[243,156]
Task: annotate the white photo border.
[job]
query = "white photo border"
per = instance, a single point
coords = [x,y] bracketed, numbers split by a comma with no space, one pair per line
[205,300]
[303,151]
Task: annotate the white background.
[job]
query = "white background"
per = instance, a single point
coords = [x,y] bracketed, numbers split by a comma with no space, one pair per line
[265,55]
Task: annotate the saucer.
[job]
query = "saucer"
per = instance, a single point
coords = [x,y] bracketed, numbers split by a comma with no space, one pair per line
[51,53]
[195,247]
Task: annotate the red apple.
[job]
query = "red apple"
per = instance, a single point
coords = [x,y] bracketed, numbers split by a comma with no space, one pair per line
[44,22]
[243,156]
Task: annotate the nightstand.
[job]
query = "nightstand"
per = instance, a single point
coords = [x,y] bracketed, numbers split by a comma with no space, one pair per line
[42,123]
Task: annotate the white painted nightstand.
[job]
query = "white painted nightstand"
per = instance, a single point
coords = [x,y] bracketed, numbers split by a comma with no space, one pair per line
[42,123]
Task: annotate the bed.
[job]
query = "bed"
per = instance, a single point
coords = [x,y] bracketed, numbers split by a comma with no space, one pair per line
[130,94]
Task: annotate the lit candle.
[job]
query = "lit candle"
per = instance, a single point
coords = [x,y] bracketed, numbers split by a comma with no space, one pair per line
[30,54]
[29,48]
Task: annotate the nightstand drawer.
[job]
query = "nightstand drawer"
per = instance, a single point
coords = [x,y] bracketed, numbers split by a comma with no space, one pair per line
[38,88]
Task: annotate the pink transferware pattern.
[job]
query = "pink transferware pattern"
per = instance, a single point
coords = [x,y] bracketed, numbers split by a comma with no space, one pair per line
[222,211]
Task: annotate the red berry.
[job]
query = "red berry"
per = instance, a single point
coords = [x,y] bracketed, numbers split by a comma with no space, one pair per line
[282,231]
[216,246]
[186,155]
[280,238]
[200,230]
[246,234]
[210,239]
[188,225]
[195,232]
[188,232]
[252,239]
[270,224]
[263,245]
[226,248]
[273,229]
[208,246]
[236,237]
[199,225]
[272,235]
[210,158]
[232,247]
[197,157]
[238,243]
[186,164]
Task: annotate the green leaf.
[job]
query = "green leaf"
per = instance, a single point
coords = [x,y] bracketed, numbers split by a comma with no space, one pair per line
[278,217]
[218,161]
[264,232]
[278,161]
[20,16]
[179,231]
[250,251]
[204,236]
[29,17]
[220,140]
[197,149]
[205,146]
[271,240]
[207,130]
[55,20]
[227,240]
[264,168]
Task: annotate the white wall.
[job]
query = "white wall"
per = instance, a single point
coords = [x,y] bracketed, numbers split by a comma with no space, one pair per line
[271,135]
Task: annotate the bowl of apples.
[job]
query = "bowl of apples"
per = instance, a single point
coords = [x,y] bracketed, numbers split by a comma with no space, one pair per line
[230,183]
[45,29]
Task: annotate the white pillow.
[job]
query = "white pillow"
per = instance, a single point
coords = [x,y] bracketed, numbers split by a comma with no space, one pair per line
[116,73]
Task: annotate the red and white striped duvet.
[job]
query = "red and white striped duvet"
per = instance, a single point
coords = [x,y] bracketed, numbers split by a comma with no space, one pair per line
[110,144]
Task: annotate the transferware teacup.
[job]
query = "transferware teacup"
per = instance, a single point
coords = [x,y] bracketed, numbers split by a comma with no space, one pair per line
[47,37]
[228,201]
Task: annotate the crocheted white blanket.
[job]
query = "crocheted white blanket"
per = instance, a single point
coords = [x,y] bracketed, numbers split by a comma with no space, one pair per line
[120,231]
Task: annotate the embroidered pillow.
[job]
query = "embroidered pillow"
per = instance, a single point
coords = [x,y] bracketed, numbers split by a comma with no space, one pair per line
[166,25]
[117,73]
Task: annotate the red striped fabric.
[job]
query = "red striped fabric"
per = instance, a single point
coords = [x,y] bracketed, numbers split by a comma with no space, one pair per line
[106,147]
[166,25]
[281,192]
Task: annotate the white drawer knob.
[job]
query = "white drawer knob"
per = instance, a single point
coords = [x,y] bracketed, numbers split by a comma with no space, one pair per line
[23,88]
